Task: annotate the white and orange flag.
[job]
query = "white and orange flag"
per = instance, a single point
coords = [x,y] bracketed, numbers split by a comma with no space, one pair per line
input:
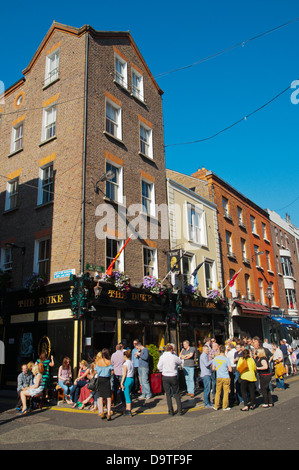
[110,268]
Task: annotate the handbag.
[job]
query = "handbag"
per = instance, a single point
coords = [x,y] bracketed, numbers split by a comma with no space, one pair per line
[92,384]
[280,369]
[242,367]
[67,382]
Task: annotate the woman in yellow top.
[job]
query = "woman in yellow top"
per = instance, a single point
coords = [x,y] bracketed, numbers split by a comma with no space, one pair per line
[247,379]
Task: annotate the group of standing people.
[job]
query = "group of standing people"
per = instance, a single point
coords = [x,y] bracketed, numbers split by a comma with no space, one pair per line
[238,369]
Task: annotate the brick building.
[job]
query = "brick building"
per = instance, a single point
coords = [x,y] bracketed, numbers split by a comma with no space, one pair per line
[81,136]
[285,241]
[246,245]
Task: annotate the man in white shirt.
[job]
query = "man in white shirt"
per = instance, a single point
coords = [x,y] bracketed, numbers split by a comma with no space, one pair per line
[168,365]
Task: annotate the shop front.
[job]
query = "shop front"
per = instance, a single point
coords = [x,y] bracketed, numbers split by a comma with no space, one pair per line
[33,322]
[201,319]
[122,316]
[248,319]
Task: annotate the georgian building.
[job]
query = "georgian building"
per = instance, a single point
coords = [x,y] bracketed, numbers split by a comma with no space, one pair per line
[246,248]
[82,153]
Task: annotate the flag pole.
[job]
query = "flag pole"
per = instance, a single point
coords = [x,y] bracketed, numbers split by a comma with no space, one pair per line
[229,281]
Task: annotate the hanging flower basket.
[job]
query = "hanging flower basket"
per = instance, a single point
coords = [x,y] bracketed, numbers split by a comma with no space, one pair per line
[36,281]
[5,278]
[214,296]
[154,285]
[119,279]
[194,292]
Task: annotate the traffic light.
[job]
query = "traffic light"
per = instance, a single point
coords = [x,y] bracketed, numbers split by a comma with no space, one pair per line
[79,294]
[74,294]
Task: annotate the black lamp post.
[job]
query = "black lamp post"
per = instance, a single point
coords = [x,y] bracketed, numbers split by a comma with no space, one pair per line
[269,294]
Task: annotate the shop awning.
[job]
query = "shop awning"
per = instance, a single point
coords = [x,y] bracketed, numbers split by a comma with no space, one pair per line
[257,309]
[285,321]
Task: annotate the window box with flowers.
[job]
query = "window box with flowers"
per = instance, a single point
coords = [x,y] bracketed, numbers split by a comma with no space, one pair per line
[35,282]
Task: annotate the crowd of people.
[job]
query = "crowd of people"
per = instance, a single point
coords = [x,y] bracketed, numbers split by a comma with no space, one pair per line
[230,374]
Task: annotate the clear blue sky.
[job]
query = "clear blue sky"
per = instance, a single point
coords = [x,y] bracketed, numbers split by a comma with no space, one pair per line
[259,156]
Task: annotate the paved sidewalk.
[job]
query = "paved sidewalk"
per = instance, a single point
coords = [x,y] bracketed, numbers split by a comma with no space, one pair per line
[155,405]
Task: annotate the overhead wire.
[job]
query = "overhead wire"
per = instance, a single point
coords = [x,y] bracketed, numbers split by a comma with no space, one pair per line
[223,51]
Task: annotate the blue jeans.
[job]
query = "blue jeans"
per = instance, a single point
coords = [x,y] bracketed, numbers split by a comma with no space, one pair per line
[143,379]
[238,386]
[65,388]
[207,389]
[189,378]
[280,383]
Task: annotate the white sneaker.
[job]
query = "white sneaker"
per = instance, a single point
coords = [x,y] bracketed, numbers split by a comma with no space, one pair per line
[226,409]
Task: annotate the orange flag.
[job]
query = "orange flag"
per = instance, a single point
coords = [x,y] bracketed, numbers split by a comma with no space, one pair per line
[110,268]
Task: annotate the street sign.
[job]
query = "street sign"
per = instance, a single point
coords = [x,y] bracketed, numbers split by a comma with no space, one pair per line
[65,273]
[95,267]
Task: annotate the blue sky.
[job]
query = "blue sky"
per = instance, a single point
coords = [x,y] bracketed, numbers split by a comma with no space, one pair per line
[259,156]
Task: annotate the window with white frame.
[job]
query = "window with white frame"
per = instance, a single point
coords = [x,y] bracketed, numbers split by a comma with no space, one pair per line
[49,123]
[148,197]
[257,256]
[229,246]
[137,85]
[264,230]
[45,185]
[114,186]
[17,137]
[225,207]
[121,75]
[209,275]
[287,267]
[247,287]
[240,215]
[42,256]
[253,224]
[113,246]
[113,119]
[291,298]
[150,262]
[187,269]
[196,224]
[146,140]
[261,290]
[268,260]
[52,67]
[6,259]
[12,193]
[243,248]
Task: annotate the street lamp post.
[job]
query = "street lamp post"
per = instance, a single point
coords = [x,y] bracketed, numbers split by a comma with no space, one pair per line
[269,294]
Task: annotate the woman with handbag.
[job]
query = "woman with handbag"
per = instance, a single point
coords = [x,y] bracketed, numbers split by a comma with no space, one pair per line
[65,378]
[263,369]
[247,368]
[279,368]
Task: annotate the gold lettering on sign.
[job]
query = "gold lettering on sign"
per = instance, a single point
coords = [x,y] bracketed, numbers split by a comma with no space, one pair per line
[51,299]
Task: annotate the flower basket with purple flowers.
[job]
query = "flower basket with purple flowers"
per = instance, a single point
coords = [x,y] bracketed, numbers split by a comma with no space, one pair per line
[214,295]
[154,285]
[119,279]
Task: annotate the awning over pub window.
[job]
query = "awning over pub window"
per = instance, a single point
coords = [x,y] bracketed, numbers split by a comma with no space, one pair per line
[257,309]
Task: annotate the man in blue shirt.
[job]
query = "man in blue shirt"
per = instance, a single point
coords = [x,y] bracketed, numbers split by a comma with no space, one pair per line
[143,370]
[222,367]
[135,361]
[205,374]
